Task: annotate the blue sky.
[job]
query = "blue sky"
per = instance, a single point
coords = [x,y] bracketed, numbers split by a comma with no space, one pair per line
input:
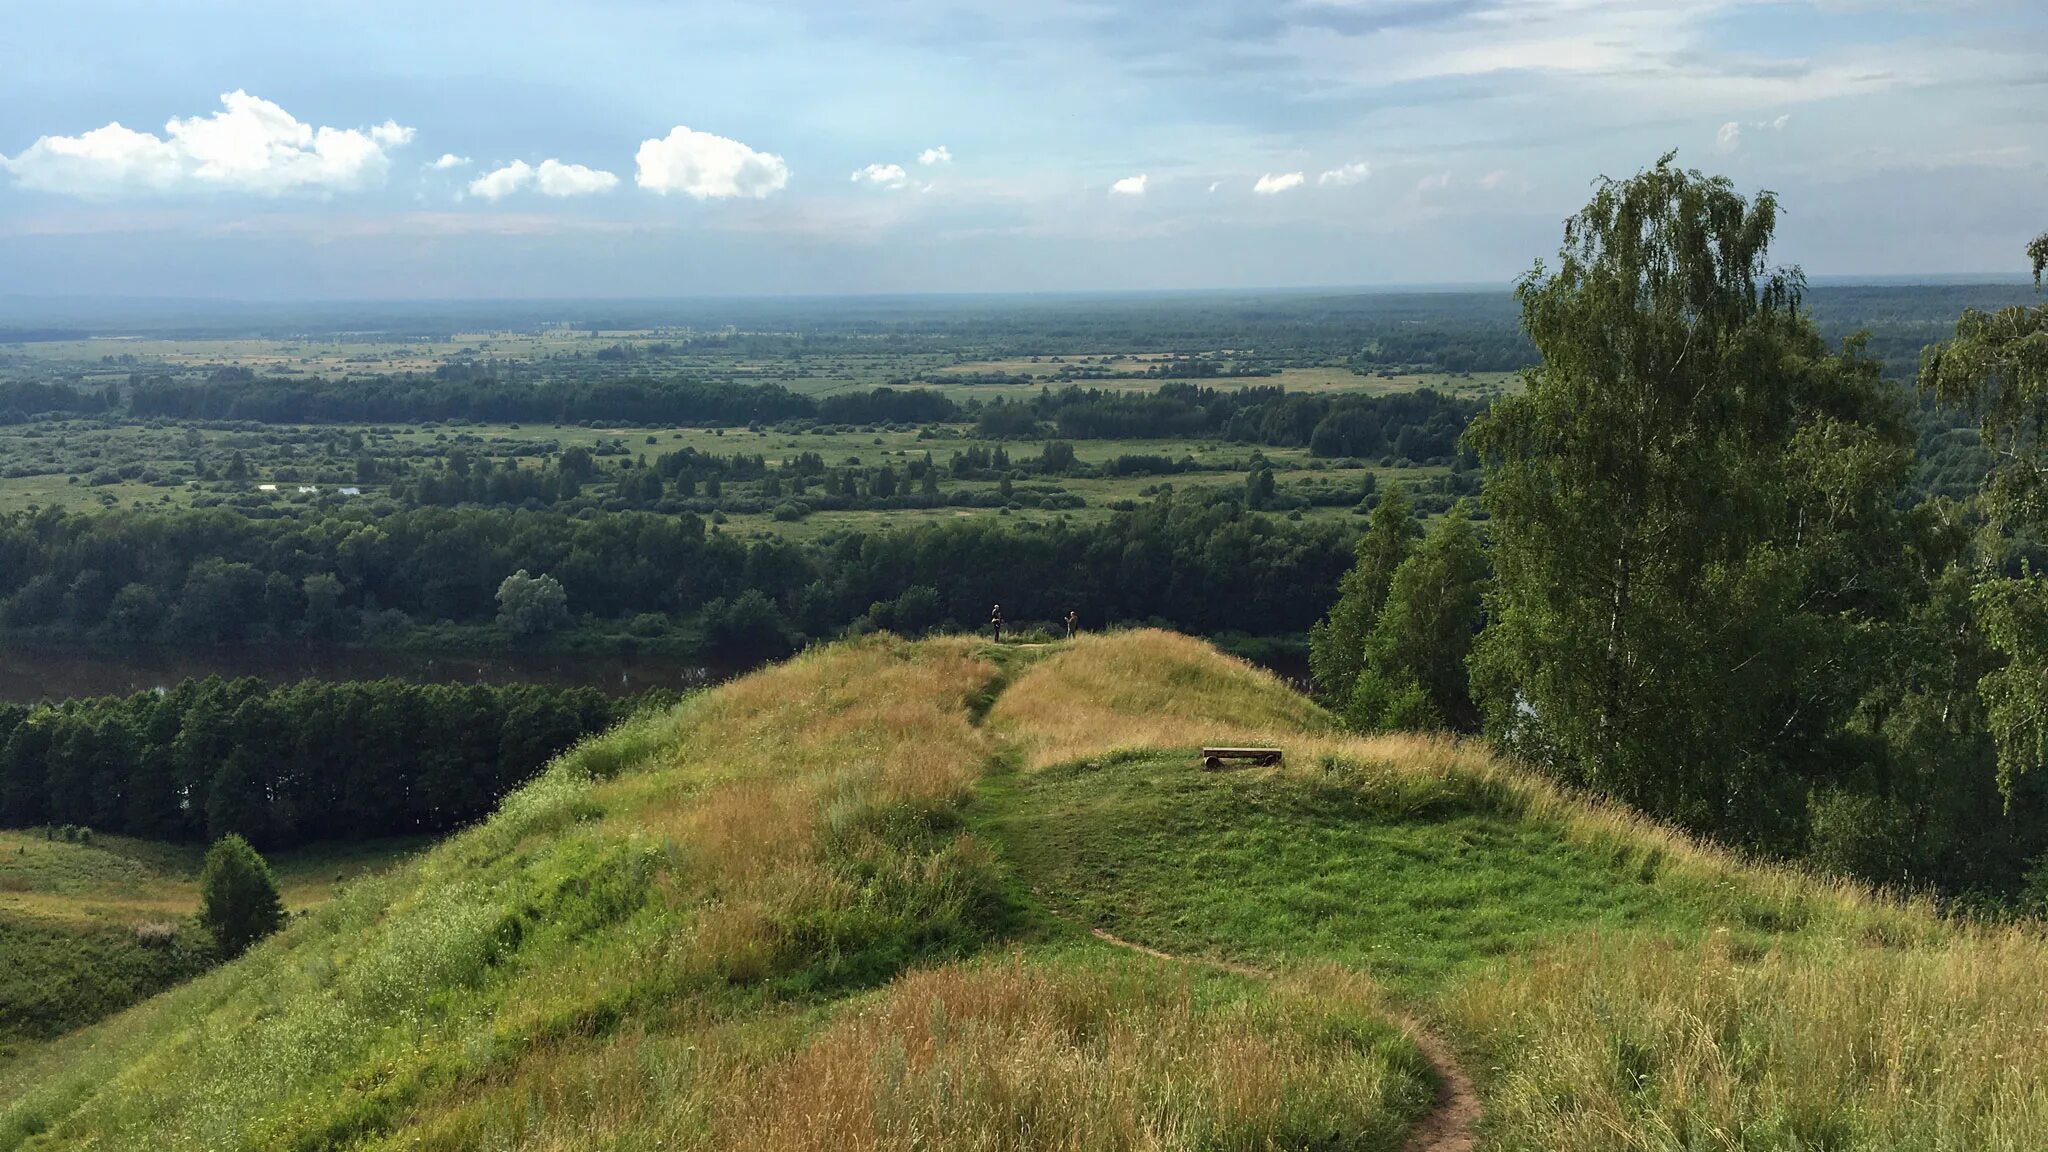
[634,148]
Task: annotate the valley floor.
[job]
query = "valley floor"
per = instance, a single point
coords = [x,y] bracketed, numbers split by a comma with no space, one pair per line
[947,895]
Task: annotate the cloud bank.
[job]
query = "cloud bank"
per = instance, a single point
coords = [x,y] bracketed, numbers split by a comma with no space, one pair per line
[250,146]
[707,167]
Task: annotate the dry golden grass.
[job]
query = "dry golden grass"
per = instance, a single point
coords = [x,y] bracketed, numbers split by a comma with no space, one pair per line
[1117,691]
[1112,1056]
[1630,1044]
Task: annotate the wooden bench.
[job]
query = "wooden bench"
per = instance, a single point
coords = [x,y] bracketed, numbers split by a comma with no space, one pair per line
[1213,758]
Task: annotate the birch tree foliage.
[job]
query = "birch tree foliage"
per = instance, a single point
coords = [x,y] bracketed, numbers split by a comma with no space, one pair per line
[1996,366]
[1682,503]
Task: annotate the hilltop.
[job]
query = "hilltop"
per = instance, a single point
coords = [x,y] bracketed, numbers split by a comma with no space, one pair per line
[851,901]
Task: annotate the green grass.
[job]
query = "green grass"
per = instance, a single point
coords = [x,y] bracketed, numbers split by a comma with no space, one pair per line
[1411,887]
[58,974]
[89,928]
[842,903]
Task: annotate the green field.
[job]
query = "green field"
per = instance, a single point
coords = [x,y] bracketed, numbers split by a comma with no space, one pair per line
[923,363]
[320,458]
[846,903]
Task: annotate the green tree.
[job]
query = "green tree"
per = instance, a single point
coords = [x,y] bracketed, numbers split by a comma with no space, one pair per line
[1415,655]
[530,605]
[135,612]
[1997,367]
[322,592]
[1258,487]
[1689,513]
[1336,644]
[239,902]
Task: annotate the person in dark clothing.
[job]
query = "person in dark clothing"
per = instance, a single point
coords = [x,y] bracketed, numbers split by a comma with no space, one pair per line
[1073,623]
[995,622]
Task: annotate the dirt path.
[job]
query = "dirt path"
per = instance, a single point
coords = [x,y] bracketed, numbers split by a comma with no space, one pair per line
[1452,1123]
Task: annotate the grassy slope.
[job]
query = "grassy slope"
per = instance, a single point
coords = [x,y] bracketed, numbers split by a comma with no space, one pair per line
[85,928]
[690,933]
[835,905]
[1614,985]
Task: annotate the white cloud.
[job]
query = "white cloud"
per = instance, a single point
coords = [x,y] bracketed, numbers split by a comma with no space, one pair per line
[550,178]
[502,182]
[1436,183]
[938,155]
[449,160]
[1215,184]
[1494,179]
[883,175]
[555,178]
[1271,185]
[250,145]
[707,167]
[1130,186]
[1356,172]
[1729,138]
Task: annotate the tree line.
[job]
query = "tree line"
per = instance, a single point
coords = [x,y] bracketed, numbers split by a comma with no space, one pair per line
[1419,425]
[1198,560]
[238,394]
[1705,585]
[286,765]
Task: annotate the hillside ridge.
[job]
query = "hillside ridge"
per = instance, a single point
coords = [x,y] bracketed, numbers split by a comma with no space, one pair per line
[854,897]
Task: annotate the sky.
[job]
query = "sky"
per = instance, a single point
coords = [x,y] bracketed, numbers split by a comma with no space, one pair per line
[631,148]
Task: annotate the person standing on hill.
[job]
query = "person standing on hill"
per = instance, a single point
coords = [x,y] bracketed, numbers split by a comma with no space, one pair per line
[995,621]
[1073,623]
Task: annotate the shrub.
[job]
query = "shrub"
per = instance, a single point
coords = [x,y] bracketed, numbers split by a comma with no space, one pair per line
[239,903]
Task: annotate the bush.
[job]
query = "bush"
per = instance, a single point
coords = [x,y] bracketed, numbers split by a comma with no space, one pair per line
[239,903]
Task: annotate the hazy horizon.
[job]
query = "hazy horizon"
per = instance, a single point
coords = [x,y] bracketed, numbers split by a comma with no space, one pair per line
[624,149]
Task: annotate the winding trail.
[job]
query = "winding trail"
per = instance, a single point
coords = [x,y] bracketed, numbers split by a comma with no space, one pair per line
[1452,1123]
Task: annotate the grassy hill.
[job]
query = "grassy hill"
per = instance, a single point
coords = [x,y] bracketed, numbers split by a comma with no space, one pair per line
[847,903]
[89,927]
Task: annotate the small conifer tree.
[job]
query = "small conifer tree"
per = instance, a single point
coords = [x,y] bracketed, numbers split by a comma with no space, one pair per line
[239,903]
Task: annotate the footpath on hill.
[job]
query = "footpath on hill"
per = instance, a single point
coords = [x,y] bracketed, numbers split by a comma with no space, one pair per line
[1452,1123]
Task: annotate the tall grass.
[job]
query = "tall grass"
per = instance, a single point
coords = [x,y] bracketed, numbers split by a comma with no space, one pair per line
[1079,1052]
[1124,691]
[1630,1044]
[1105,1057]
